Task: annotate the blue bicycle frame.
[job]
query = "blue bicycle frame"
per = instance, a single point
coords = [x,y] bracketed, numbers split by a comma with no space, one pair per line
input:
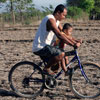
[76,57]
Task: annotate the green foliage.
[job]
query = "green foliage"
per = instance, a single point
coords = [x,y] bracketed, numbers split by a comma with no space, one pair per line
[97,6]
[74,12]
[73,2]
[97,3]
[2,1]
[21,5]
[28,15]
[96,11]
[48,10]
[86,5]
[27,22]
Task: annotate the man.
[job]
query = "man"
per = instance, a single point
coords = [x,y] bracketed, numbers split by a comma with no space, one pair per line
[48,29]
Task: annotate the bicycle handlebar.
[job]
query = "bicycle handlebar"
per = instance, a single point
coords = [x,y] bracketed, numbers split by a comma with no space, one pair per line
[73,52]
[75,48]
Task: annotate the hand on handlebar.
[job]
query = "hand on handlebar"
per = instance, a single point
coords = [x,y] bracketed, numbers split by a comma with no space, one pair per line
[80,41]
[77,45]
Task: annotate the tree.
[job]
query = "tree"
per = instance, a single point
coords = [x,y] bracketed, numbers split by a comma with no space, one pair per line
[32,12]
[74,12]
[47,10]
[95,13]
[72,2]
[86,5]
[21,6]
[1,2]
[12,10]
[1,18]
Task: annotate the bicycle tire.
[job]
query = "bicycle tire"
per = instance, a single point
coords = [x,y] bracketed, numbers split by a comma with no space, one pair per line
[24,79]
[78,84]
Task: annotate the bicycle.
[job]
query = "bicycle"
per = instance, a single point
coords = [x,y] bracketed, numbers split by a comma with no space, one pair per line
[27,79]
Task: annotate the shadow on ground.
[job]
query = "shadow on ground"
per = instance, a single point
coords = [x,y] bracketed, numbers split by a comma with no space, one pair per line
[7,93]
[47,94]
[53,96]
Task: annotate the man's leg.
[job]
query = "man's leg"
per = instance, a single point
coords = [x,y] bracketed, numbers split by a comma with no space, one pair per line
[53,61]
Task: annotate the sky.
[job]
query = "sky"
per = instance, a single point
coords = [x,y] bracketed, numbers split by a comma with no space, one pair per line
[45,3]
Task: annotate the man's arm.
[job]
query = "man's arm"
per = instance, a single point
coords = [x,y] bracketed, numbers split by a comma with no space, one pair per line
[60,27]
[71,39]
[51,25]
[77,40]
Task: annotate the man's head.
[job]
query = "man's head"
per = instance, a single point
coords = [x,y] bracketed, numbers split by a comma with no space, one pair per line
[60,12]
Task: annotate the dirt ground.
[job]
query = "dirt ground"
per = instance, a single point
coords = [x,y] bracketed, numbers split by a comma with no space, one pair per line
[16,45]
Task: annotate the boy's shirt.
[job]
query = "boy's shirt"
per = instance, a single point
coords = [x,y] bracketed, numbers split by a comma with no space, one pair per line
[59,43]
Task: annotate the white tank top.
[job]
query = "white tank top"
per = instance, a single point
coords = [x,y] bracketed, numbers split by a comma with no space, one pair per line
[43,37]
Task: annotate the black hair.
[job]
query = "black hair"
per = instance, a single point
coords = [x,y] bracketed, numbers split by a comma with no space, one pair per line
[59,8]
[67,26]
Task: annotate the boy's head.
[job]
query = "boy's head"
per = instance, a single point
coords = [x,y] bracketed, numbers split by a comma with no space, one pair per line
[67,28]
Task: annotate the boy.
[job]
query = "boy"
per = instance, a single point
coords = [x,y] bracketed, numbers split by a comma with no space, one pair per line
[67,29]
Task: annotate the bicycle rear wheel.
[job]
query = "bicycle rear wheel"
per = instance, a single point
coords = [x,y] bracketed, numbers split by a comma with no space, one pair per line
[80,87]
[26,79]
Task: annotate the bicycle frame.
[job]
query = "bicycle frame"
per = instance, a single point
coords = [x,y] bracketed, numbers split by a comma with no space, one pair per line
[76,57]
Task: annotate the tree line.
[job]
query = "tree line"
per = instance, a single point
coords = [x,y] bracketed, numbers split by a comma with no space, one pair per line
[83,8]
[24,11]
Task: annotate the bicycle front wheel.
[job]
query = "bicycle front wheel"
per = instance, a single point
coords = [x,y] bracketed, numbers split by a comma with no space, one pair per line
[82,88]
[26,79]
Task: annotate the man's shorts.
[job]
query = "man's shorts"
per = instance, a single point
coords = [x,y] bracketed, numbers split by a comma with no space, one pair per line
[49,51]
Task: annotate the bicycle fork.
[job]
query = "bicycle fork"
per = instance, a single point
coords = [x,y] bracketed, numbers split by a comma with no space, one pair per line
[82,70]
